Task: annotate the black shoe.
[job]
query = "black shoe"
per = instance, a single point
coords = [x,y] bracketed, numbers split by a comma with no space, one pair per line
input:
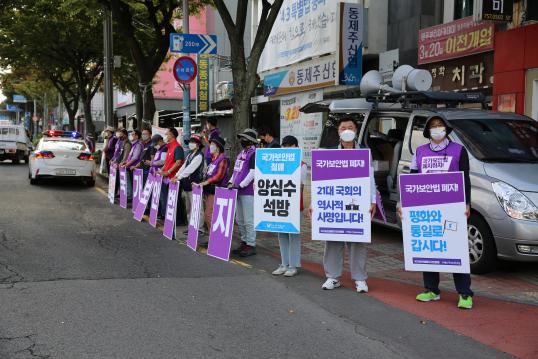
[247,251]
[240,248]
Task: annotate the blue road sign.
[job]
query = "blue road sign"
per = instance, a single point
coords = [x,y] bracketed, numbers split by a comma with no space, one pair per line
[12,108]
[193,43]
[185,70]
[19,99]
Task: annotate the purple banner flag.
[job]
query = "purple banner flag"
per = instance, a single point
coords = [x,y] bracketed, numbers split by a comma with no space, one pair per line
[155,200]
[171,210]
[112,173]
[222,223]
[144,198]
[123,187]
[194,222]
[138,179]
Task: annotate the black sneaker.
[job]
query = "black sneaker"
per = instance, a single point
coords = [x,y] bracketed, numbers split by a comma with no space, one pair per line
[240,248]
[247,251]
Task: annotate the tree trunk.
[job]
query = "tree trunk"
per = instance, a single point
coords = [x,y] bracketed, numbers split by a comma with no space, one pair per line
[139,103]
[87,104]
[149,105]
[241,118]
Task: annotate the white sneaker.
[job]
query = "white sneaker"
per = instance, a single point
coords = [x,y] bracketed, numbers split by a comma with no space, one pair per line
[291,272]
[280,270]
[330,284]
[362,287]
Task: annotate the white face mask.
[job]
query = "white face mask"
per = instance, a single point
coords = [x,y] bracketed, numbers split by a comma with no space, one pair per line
[145,137]
[157,147]
[213,149]
[166,140]
[347,136]
[131,138]
[437,133]
[192,146]
[118,134]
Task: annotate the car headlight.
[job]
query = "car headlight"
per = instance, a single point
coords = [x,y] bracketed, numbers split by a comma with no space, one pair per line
[515,203]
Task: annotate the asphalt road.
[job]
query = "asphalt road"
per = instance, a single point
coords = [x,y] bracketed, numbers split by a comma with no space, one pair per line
[80,278]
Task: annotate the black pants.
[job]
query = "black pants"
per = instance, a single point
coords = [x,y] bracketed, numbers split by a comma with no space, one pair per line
[462,282]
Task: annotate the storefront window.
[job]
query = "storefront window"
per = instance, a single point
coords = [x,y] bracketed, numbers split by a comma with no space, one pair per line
[463,8]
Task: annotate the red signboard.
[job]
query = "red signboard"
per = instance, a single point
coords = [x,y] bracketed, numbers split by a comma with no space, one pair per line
[455,39]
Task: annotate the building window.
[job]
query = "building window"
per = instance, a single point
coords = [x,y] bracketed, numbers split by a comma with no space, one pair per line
[463,8]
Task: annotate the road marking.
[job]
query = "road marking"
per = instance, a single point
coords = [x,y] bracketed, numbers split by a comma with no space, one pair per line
[161,228]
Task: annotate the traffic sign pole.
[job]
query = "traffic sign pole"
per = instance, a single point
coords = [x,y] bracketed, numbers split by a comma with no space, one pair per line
[187,86]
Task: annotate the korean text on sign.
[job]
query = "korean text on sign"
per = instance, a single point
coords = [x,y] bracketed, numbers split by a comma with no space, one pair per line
[434,225]
[277,191]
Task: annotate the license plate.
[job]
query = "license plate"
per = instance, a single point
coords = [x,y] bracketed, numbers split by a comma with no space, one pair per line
[66,172]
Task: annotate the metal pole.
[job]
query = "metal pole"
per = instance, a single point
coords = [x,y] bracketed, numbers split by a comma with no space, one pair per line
[35,123]
[186,87]
[108,63]
[45,110]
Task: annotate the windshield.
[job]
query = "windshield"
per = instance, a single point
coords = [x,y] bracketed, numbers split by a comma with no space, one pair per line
[499,140]
[63,146]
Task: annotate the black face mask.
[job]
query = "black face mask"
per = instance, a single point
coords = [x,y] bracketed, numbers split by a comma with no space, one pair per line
[245,143]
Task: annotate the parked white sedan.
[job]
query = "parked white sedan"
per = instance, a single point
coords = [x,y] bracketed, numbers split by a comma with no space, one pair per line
[62,154]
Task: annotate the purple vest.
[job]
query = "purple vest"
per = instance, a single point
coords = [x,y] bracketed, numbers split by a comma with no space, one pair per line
[212,169]
[118,149]
[242,169]
[154,168]
[446,160]
[111,149]
[138,144]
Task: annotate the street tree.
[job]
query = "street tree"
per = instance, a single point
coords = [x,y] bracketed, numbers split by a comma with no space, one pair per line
[145,27]
[244,70]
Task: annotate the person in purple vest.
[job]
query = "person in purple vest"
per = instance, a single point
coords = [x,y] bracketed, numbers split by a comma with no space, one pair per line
[216,175]
[211,131]
[161,149]
[455,158]
[243,180]
[133,159]
[110,145]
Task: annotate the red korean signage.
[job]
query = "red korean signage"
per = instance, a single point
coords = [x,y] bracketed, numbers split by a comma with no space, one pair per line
[455,39]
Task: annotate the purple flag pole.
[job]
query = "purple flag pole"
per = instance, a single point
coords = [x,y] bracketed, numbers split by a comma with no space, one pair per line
[194,221]
[155,200]
[171,210]
[380,213]
[138,179]
[123,188]
[112,183]
[222,223]
[144,198]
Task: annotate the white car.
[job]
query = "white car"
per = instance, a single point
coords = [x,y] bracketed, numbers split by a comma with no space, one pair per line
[62,154]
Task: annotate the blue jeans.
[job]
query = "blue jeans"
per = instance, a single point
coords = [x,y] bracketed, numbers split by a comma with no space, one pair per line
[244,215]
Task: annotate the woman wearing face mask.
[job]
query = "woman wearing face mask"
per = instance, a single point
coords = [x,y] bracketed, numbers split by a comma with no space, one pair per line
[216,176]
[192,170]
[333,258]
[455,158]
[243,180]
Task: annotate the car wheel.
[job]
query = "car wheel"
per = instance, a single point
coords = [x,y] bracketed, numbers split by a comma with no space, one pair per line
[482,249]
[17,159]
[89,182]
[26,159]
[33,181]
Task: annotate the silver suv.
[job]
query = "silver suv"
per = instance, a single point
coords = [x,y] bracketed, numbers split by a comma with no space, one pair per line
[503,154]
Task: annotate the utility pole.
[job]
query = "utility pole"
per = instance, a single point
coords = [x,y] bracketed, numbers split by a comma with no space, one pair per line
[35,123]
[45,110]
[186,87]
[108,62]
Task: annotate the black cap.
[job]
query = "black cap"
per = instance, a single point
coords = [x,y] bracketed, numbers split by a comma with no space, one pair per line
[155,139]
[219,141]
[438,116]
[289,141]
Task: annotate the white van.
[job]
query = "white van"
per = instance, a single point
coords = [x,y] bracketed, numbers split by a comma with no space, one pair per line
[15,144]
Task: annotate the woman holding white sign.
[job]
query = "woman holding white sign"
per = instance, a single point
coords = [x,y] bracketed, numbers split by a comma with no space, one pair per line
[443,155]
[333,258]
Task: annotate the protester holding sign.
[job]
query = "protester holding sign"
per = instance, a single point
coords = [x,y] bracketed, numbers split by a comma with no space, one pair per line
[216,176]
[209,133]
[174,159]
[333,259]
[243,180]
[133,159]
[161,150]
[147,153]
[438,156]
[192,169]
[290,243]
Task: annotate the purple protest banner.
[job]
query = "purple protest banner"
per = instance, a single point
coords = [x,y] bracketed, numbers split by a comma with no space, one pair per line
[155,200]
[138,178]
[194,221]
[144,198]
[112,173]
[123,187]
[222,223]
[171,210]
